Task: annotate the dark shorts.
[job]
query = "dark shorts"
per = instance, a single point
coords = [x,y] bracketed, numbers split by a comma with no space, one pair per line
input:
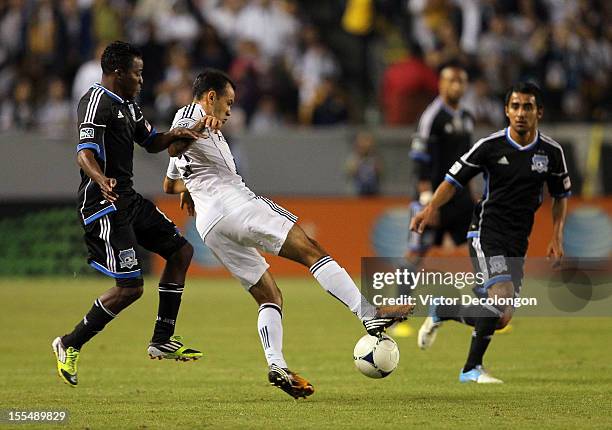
[455,219]
[499,262]
[111,240]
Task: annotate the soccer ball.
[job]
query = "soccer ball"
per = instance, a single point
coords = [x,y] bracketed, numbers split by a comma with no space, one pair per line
[376,357]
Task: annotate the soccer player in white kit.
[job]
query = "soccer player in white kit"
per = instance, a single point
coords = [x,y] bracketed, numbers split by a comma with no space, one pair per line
[234,223]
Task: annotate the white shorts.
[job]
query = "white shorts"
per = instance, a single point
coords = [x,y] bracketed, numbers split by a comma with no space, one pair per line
[259,224]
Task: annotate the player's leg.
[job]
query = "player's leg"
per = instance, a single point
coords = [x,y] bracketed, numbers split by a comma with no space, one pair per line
[338,283]
[251,269]
[465,314]
[106,238]
[156,233]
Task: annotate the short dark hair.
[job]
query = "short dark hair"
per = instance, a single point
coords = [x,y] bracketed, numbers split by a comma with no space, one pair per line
[452,64]
[525,88]
[211,79]
[119,55]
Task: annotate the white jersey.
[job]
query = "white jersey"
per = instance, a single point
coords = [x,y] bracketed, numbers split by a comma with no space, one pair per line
[208,169]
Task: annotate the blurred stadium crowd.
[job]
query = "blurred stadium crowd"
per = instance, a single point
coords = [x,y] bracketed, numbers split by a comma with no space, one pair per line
[309,62]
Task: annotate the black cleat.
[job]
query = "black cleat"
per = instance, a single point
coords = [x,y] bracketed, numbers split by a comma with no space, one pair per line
[385,317]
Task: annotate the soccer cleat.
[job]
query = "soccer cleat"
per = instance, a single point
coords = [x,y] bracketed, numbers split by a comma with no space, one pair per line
[67,359]
[290,382]
[173,349]
[385,317]
[429,329]
[478,375]
[506,330]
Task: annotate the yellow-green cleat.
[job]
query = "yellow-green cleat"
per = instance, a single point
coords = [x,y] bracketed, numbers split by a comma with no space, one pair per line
[173,349]
[67,359]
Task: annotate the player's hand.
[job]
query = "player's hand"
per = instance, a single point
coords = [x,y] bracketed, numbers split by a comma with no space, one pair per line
[208,121]
[555,251]
[186,133]
[187,202]
[422,219]
[106,186]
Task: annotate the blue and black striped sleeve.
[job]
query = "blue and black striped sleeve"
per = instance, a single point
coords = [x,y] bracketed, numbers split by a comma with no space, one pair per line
[93,115]
[469,165]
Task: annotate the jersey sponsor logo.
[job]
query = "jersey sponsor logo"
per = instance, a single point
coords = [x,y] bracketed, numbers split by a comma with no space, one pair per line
[120,115]
[503,160]
[539,163]
[455,168]
[498,264]
[127,258]
[567,183]
[86,133]
[186,123]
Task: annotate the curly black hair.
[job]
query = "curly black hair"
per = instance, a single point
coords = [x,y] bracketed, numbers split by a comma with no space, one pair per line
[119,55]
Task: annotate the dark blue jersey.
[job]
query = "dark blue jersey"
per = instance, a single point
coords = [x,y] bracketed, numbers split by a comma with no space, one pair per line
[514,183]
[109,126]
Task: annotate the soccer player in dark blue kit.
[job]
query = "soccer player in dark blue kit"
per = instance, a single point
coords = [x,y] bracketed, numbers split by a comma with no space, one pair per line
[516,162]
[116,218]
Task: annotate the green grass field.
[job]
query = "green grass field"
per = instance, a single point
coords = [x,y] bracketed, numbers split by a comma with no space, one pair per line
[558,372]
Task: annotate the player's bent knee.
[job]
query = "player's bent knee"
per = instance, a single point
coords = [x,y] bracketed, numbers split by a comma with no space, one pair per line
[184,255]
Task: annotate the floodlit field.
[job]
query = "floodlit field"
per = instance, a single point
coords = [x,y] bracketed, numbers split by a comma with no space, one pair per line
[558,372]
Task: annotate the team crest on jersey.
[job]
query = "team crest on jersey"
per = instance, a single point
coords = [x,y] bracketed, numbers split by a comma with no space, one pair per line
[539,163]
[127,258]
[498,264]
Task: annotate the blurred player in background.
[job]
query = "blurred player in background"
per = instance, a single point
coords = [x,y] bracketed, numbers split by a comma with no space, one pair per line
[444,133]
[116,218]
[235,223]
[515,162]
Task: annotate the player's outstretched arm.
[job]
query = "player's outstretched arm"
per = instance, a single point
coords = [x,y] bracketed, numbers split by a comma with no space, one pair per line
[87,162]
[555,247]
[443,194]
[163,141]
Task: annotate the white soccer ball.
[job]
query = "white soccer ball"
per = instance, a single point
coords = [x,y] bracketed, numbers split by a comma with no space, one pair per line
[376,357]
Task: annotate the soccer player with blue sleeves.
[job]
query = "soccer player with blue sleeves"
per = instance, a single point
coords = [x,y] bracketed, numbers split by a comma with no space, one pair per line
[516,162]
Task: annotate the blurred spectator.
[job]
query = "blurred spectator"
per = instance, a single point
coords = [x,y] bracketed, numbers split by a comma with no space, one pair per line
[266,116]
[210,50]
[364,166]
[271,25]
[315,64]
[486,109]
[18,112]
[107,17]
[330,105]
[245,71]
[177,74]
[88,74]
[55,116]
[12,24]
[408,87]
[223,16]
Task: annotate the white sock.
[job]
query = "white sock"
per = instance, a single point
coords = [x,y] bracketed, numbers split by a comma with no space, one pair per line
[339,284]
[270,327]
